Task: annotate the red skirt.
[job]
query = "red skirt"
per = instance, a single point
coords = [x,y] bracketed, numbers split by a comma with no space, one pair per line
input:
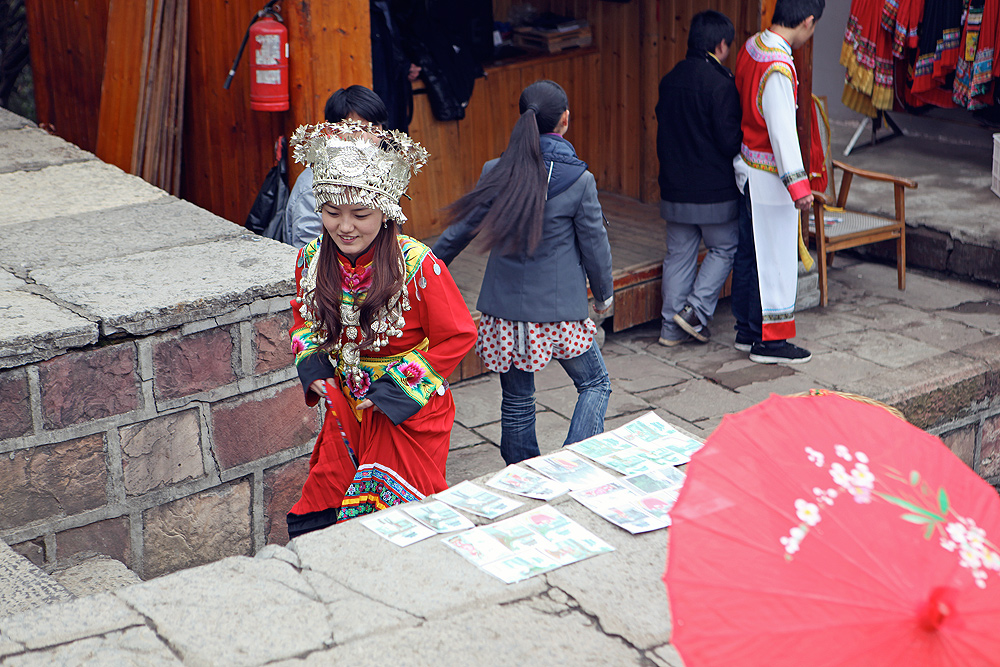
[360,468]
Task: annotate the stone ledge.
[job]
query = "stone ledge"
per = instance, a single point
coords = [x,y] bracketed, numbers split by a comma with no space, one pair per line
[947,385]
[11,121]
[70,189]
[32,328]
[163,222]
[31,149]
[152,291]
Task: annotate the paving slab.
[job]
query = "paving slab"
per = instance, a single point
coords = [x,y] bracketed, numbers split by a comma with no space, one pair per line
[698,399]
[134,646]
[784,386]
[30,149]
[512,634]
[837,369]
[885,348]
[472,462]
[237,611]
[25,586]
[983,315]
[922,291]
[477,401]
[98,235]
[623,589]
[70,189]
[401,577]
[636,373]
[33,328]
[160,289]
[462,437]
[68,621]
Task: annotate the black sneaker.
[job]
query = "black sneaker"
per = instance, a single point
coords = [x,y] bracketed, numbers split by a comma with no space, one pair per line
[786,353]
[688,320]
[744,343]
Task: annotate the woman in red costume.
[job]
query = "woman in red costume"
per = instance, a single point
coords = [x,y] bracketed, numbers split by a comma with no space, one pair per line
[378,326]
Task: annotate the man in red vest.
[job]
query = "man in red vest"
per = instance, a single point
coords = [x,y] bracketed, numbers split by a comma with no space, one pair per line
[775,186]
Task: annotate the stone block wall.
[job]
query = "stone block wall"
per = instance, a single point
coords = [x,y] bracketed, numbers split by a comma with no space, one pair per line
[163,451]
[976,440]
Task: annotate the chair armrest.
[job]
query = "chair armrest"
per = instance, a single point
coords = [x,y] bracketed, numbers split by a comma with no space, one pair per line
[819,198]
[874,175]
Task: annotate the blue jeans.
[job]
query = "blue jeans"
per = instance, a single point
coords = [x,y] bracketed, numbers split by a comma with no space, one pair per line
[517,407]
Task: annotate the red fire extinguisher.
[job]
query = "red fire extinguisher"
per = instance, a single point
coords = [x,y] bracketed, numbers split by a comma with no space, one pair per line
[269,63]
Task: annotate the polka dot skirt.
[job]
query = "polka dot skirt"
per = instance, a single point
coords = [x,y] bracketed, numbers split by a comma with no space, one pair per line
[530,346]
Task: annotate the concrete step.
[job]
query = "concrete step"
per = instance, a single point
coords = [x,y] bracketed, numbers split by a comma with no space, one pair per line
[90,574]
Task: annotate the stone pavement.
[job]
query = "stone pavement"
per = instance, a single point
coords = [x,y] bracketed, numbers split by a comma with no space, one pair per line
[906,348]
[344,594]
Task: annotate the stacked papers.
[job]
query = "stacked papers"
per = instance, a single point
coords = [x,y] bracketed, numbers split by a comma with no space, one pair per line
[531,543]
[569,469]
[414,522]
[515,479]
[643,444]
[638,503]
[475,499]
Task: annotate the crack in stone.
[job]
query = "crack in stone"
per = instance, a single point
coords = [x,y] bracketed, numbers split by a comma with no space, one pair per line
[151,624]
[361,594]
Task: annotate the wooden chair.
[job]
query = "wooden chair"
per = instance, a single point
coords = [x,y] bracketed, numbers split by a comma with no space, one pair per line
[849,228]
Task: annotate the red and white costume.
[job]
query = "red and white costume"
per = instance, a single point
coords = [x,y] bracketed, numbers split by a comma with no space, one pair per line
[770,163]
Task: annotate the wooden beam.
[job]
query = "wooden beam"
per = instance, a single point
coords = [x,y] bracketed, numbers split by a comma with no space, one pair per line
[120,86]
[329,48]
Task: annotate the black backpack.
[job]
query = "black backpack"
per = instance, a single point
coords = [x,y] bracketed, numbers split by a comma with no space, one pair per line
[267,215]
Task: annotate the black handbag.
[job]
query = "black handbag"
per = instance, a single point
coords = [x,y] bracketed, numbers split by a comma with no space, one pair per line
[267,215]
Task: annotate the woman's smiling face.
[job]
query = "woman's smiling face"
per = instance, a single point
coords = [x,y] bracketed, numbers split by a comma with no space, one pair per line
[353,227]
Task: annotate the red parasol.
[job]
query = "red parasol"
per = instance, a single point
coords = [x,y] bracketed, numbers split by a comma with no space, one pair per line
[820,530]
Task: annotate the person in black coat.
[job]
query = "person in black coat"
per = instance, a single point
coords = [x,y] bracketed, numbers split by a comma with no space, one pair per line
[698,135]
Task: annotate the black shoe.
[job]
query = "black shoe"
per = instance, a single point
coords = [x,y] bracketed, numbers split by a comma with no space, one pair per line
[744,343]
[688,320]
[786,353]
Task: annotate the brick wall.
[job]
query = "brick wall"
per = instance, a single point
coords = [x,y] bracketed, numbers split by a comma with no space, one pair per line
[164,452]
[976,440]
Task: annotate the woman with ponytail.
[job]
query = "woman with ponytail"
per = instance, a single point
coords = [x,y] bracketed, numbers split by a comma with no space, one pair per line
[535,209]
[378,326]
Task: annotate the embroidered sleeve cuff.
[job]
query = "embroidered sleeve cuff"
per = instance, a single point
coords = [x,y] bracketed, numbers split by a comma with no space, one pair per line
[799,189]
[392,400]
[314,367]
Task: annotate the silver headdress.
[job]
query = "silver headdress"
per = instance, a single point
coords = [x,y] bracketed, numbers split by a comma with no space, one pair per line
[354,162]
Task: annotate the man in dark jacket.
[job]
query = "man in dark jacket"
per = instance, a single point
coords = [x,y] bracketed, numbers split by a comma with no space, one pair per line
[698,135]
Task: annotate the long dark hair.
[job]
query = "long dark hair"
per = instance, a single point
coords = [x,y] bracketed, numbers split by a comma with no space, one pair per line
[514,220]
[387,278]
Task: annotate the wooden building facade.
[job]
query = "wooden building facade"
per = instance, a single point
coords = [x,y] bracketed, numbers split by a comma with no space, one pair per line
[115,76]
[87,59]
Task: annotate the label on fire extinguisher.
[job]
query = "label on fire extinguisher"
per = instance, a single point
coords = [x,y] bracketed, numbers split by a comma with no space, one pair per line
[268,51]
[271,77]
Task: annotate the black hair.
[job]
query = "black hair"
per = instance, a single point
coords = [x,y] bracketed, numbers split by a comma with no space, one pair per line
[514,190]
[360,100]
[708,28]
[790,13]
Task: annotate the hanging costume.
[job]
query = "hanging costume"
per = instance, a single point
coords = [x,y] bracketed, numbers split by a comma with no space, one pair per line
[770,165]
[366,460]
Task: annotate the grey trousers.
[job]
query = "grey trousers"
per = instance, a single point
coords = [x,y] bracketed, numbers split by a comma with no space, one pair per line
[684,282]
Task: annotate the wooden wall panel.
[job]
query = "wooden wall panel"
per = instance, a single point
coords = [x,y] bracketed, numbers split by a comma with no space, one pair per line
[119,100]
[67,62]
[228,148]
[612,92]
[459,148]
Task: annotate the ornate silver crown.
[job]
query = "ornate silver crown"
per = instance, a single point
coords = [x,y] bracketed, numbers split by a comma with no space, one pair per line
[354,162]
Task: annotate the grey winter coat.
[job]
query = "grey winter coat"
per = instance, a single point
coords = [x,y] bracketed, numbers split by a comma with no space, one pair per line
[551,285]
